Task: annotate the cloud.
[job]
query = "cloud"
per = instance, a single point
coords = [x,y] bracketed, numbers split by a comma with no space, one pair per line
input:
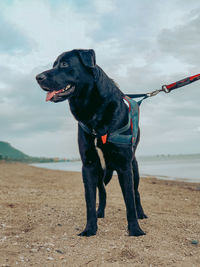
[140,44]
[27,119]
[24,107]
[13,40]
[183,42]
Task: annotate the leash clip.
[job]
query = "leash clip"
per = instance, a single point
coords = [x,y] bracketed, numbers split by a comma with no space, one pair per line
[164,89]
[153,93]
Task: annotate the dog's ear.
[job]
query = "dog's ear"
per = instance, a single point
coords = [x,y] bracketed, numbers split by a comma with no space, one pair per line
[87,57]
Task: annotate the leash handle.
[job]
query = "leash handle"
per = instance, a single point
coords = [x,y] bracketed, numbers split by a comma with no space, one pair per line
[168,88]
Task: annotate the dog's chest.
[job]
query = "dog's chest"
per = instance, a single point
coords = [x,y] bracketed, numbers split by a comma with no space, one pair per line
[100,154]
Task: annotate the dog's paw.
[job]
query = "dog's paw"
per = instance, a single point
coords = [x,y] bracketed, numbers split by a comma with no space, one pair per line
[142,216]
[140,213]
[100,214]
[88,232]
[135,230]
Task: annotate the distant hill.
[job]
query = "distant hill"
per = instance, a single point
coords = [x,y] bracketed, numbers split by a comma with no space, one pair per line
[9,153]
[169,157]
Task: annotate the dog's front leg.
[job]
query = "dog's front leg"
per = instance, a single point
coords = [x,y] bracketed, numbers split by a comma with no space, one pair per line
[126,182]
[90,171]
[90,183]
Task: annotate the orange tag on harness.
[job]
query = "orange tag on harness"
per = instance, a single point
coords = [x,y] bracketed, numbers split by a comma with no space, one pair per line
[104,138]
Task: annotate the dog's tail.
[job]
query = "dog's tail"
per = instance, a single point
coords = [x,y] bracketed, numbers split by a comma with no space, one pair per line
[108,176]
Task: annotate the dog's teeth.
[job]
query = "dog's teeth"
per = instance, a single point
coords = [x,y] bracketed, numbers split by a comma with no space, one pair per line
[67,87]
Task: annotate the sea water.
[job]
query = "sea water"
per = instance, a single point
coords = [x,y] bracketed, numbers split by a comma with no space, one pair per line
[180,168]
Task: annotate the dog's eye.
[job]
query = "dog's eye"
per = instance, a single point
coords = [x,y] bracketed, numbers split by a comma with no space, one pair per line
[64,64]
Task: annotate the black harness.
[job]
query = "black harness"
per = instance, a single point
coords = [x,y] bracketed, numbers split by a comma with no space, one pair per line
[118,137]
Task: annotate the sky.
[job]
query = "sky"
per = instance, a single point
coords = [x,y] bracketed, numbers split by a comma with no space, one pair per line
[142,45]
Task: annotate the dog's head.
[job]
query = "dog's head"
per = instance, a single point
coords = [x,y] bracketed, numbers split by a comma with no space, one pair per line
[71,72]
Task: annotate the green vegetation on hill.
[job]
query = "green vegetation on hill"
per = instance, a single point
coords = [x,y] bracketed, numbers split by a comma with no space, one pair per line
[9,153]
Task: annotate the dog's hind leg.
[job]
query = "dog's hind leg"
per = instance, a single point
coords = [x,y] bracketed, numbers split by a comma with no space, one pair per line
[102,198]
[108,176]
[126,182]
[136,176]
[102,192]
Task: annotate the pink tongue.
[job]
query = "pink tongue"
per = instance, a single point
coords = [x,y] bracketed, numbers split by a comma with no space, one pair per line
[50,95]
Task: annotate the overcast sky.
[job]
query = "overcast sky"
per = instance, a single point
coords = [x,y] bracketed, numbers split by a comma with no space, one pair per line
[140,44]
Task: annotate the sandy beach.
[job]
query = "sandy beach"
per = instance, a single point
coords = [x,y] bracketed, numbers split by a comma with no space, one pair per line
[42,211]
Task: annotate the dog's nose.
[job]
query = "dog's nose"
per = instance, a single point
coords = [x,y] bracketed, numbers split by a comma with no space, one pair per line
[40,77]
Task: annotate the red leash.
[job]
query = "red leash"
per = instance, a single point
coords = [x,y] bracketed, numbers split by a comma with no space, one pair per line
[168,88]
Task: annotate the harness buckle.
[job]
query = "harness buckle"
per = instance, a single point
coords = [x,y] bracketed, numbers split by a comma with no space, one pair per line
[94,132]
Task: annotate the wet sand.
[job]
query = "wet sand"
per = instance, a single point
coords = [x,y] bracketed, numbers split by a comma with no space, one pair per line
[42,211]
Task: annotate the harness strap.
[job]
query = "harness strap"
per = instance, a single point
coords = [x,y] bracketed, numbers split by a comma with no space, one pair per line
[104,137]
[123,129]
[119,131]
[85,128]
[136,95]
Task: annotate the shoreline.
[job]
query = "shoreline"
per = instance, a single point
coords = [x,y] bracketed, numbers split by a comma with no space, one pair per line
[76,168]
[43,210]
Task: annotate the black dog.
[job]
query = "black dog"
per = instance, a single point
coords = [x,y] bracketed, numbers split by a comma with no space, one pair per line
[97,104]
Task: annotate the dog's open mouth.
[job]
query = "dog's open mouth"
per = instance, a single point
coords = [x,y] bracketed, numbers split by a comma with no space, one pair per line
[60,93]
